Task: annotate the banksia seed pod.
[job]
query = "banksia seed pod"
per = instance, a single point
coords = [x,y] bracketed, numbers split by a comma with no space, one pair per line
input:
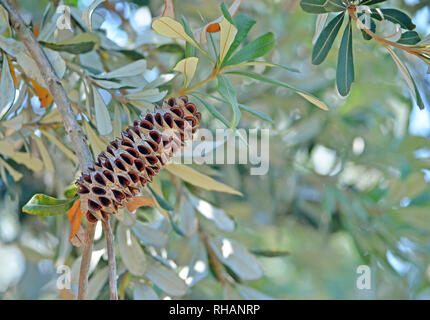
[131,161]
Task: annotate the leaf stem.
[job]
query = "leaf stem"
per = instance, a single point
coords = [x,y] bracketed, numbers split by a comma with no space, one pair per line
[406,48]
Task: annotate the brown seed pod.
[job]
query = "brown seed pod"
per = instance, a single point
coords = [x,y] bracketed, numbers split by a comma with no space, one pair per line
[131,161]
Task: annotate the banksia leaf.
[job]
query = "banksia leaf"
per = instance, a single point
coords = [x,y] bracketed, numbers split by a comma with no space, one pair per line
[132,160]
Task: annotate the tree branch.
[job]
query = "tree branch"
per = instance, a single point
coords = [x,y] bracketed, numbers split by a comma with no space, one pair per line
[85,262]
[71,126]
[111,259]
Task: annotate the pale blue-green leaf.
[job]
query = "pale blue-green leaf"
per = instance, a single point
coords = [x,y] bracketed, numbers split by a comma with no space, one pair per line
[149,235]
[165,278]
[130,251]
[96,283]
[226,91]
[249,293]
[104,125]
[216,215]
[7,87]
[132,69]
[88,13]
[143,291]
[236,257]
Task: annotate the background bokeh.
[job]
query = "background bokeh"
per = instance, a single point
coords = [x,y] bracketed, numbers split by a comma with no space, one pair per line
[345,188]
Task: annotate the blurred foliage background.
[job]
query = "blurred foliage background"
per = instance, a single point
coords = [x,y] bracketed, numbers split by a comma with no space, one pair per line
[345,188]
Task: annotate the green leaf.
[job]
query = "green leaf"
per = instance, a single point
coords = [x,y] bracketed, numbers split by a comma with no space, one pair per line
[313,6]
[409,37]
[236,257]
[190,51]
[404,71]
[81,43]
[70,191]
[172,48]
[249,293]
[395,16]
[149,235]
[96,283]
[104,125]
[87,14]
[163,203]
[322,6]
[46,206]
[60,145]
[198,179]
[212,110]
[326,39]
[312,99]
[226,91]
[243,24]
[251,110]
[142,291]
[345,63]
[253,50]
[216,215]
[270,253]
[370,2]
[256,112]
[135,68]
[165,278]
[334,5]
[226,13]
[4,20]
[130,251]
[7,87]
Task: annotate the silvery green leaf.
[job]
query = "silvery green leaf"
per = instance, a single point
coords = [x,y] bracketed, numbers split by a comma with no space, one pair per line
[165,278]
[7,87]
[249,293]
[22,94]
[117,123]
[91,59]
[132,69]
[110,84]
[24,59]
[150,95]
[104,125]
[149,235]
[14,123]
[6,148]
[188,222]
[130,251]
[11,46]
[142,291]
[49,27]
[95,258]
[230,293]
[162,79]
[126,217]
[236,257]
[44,153]
[136,83]
[198,267]
[88,13]
[96,283]
[4,20]
[216,215]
